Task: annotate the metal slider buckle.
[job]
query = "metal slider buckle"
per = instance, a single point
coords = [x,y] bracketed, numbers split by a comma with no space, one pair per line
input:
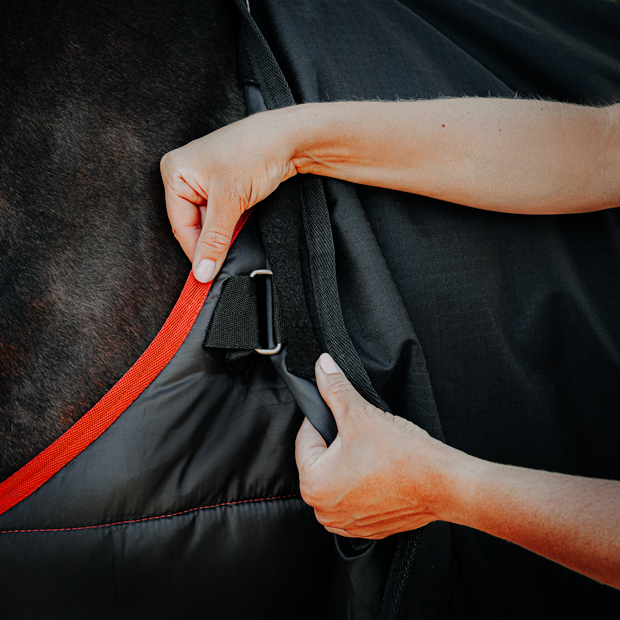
[269,308]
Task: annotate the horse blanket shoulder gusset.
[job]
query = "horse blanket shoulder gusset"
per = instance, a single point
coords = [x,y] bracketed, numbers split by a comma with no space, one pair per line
[175,496]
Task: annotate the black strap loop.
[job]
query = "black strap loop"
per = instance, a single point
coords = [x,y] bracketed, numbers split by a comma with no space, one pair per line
[247,320]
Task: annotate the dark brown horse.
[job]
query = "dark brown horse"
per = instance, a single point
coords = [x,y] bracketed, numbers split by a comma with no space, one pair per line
[91,96]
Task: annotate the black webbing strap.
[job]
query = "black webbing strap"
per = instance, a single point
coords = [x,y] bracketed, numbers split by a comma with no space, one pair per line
[319,238]
[247,317]
[317,225]
[400,570]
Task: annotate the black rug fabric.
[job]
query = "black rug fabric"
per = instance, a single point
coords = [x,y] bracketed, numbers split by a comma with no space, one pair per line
[511,323]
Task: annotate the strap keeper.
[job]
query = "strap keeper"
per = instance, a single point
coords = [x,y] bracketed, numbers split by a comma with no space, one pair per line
[246,322]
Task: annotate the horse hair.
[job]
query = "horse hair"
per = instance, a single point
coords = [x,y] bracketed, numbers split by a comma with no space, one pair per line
[91,96]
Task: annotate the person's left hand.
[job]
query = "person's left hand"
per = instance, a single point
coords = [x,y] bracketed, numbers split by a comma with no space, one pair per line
[211,181]
[381,475]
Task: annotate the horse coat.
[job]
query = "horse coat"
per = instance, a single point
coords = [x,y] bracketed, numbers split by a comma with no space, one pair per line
[498,333]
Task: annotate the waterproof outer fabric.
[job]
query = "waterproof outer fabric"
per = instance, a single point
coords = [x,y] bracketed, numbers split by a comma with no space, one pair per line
[513,321]
[187,506]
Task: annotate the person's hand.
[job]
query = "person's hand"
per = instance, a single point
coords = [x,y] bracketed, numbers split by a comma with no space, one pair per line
[210,182]
[381,475]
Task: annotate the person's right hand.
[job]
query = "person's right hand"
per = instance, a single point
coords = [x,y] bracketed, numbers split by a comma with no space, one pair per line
[211,181]
[382,474]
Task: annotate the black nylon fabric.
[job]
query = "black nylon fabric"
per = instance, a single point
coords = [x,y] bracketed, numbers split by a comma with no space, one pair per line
[188,506]
[511,324]
[235,321]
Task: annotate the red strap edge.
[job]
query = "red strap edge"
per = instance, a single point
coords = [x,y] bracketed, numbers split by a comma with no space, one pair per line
[94,422]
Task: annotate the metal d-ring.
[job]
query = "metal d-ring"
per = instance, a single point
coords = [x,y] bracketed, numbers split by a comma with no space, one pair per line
[269,302]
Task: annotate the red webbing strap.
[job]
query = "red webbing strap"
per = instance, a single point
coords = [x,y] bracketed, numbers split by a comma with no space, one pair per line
[92,424]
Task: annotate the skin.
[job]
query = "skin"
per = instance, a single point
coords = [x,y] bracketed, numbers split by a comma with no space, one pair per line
[515,156]
[384,475]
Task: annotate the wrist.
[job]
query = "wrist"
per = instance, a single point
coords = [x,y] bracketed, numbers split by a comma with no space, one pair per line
[453,484]
[319,136]
[282,135]
[302,128]
[467,482]
[274,136]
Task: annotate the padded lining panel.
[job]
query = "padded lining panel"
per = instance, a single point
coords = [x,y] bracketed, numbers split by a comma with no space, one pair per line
[260,560]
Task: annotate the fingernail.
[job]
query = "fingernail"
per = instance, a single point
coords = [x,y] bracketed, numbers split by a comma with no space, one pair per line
[327,364]
[205,270]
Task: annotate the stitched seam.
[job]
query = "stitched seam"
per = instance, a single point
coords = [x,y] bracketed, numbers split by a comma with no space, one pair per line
[172,514]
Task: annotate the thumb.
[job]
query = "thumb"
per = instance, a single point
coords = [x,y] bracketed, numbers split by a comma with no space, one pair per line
[217,230]
[341,397]
[309,446]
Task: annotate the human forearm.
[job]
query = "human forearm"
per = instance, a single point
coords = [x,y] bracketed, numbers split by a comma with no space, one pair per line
[383,475]
[506,155]
[516,156]
[572,520]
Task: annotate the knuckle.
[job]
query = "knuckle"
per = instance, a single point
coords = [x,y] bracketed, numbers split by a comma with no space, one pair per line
[310,495]
[181,232]
[164,161]
[403,424]
[167,162]
[340,387]
[369,410]
[216,238]
[326,519]
[372,411]
[321,517]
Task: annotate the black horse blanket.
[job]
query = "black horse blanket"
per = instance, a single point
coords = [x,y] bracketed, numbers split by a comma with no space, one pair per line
[498,333]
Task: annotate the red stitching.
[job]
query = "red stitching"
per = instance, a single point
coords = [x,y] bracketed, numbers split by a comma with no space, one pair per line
[172,514]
